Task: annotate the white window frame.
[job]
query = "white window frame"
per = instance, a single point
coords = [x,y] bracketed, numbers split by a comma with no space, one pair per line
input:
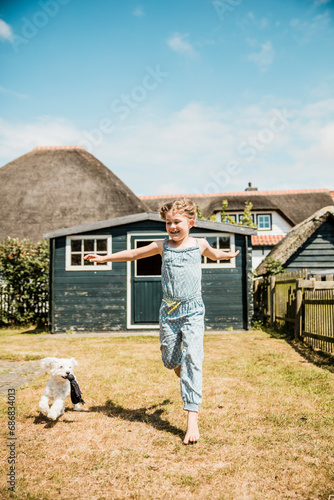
[219,264]
[95,267]
[270,222]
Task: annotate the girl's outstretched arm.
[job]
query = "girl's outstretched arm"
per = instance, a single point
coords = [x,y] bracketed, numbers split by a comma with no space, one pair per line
[153,248]
[214,253]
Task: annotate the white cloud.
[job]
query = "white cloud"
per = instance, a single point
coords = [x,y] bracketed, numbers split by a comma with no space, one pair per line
[202,148]
[12,92]
[264,58]
[6,31]
[251,20]
[20,138]
[321,2]
[180,44]
[305,31]
[138,11]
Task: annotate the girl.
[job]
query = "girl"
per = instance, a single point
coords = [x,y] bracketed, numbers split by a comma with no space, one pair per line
[182,308]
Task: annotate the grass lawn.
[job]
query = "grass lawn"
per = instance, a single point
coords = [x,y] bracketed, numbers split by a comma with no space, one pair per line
[266,423]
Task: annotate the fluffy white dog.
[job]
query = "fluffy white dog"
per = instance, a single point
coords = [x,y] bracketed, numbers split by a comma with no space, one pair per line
[58,387]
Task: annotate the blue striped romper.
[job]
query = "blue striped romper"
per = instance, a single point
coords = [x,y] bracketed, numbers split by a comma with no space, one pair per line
[182,319]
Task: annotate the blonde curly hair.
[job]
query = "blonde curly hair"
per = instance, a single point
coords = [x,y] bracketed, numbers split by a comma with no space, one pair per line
[183,206]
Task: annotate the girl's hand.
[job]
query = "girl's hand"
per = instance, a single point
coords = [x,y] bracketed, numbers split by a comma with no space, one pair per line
[94,258]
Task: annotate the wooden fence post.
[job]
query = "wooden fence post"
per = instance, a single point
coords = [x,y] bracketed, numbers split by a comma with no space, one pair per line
[298,317]
[272,301]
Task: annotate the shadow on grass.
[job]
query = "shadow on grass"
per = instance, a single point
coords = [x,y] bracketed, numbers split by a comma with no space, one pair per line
[141,415]
[36,329]
[49,424]
[317,358]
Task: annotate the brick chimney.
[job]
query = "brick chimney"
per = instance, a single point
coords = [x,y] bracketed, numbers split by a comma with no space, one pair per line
[250,188]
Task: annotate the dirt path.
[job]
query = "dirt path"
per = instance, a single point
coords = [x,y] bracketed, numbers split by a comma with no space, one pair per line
[14,375]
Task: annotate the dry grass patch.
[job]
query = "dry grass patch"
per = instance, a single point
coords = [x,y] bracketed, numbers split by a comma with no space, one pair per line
[266,424]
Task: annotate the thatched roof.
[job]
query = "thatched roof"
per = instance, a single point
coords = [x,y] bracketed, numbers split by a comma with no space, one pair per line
[297,236]
[50,188]
[294,205]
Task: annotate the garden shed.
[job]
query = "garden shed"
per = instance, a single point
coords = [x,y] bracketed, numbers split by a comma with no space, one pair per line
[309,245]
[90,297]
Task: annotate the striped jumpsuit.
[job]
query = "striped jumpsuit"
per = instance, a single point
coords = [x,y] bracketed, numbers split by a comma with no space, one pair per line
[182,319]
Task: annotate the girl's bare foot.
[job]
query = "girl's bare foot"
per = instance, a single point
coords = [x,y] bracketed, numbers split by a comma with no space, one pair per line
[192,434]
[178,371]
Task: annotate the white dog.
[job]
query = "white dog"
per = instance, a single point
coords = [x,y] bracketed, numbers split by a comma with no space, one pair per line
[58,387]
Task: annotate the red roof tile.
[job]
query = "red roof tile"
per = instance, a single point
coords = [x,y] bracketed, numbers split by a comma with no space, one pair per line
[266,239]
[237,193]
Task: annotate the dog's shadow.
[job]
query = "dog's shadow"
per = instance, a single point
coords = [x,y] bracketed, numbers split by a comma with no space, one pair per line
[140,415]
[49,424]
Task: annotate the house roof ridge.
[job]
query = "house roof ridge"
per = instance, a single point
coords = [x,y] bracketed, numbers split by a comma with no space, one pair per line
[238,193]
[52,148]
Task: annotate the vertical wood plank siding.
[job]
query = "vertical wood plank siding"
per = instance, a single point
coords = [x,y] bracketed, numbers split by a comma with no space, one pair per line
[317,253]
[90,301]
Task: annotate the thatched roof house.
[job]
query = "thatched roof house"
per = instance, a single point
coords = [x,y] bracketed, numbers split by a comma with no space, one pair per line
[293,205]
[310,244]
[50,188]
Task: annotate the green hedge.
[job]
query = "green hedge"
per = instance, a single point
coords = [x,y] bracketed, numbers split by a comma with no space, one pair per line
[24,277]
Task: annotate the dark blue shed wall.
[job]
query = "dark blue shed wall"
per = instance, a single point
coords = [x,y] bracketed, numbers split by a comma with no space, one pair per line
[96,301]
[317,253]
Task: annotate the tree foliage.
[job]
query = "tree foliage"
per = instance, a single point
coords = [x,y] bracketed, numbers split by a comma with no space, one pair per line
[273,266]
[246,217]
[24,276]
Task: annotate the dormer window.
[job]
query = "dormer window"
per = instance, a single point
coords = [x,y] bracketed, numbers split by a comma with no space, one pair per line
[264,222]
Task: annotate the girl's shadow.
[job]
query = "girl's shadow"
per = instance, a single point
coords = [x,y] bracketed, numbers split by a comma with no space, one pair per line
[140,415]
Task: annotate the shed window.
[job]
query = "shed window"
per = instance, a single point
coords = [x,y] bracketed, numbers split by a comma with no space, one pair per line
[150,266]
[264,221]
[77,247]
[221,242]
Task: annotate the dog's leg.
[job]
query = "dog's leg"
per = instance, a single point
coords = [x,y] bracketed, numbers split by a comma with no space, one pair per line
[77,407]
[44,405]
[56,409]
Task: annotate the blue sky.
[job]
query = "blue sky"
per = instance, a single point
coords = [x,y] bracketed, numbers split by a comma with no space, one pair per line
[183,96]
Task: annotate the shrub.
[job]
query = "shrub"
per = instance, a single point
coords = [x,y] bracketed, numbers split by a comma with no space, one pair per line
[24,280]
[273,266]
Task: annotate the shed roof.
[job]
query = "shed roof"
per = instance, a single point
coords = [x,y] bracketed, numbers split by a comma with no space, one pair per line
[56,187]
[292,205]
[130,219]
[297,236]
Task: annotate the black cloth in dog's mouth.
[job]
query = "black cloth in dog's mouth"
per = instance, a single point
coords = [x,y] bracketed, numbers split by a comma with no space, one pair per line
[76,396]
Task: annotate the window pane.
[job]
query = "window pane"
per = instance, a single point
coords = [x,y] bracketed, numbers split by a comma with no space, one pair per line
[264,221]
[101,245]
[76,260]
[224,242]
[75,245]
[89,245]
[151,266]
[212,242]
[87,263]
